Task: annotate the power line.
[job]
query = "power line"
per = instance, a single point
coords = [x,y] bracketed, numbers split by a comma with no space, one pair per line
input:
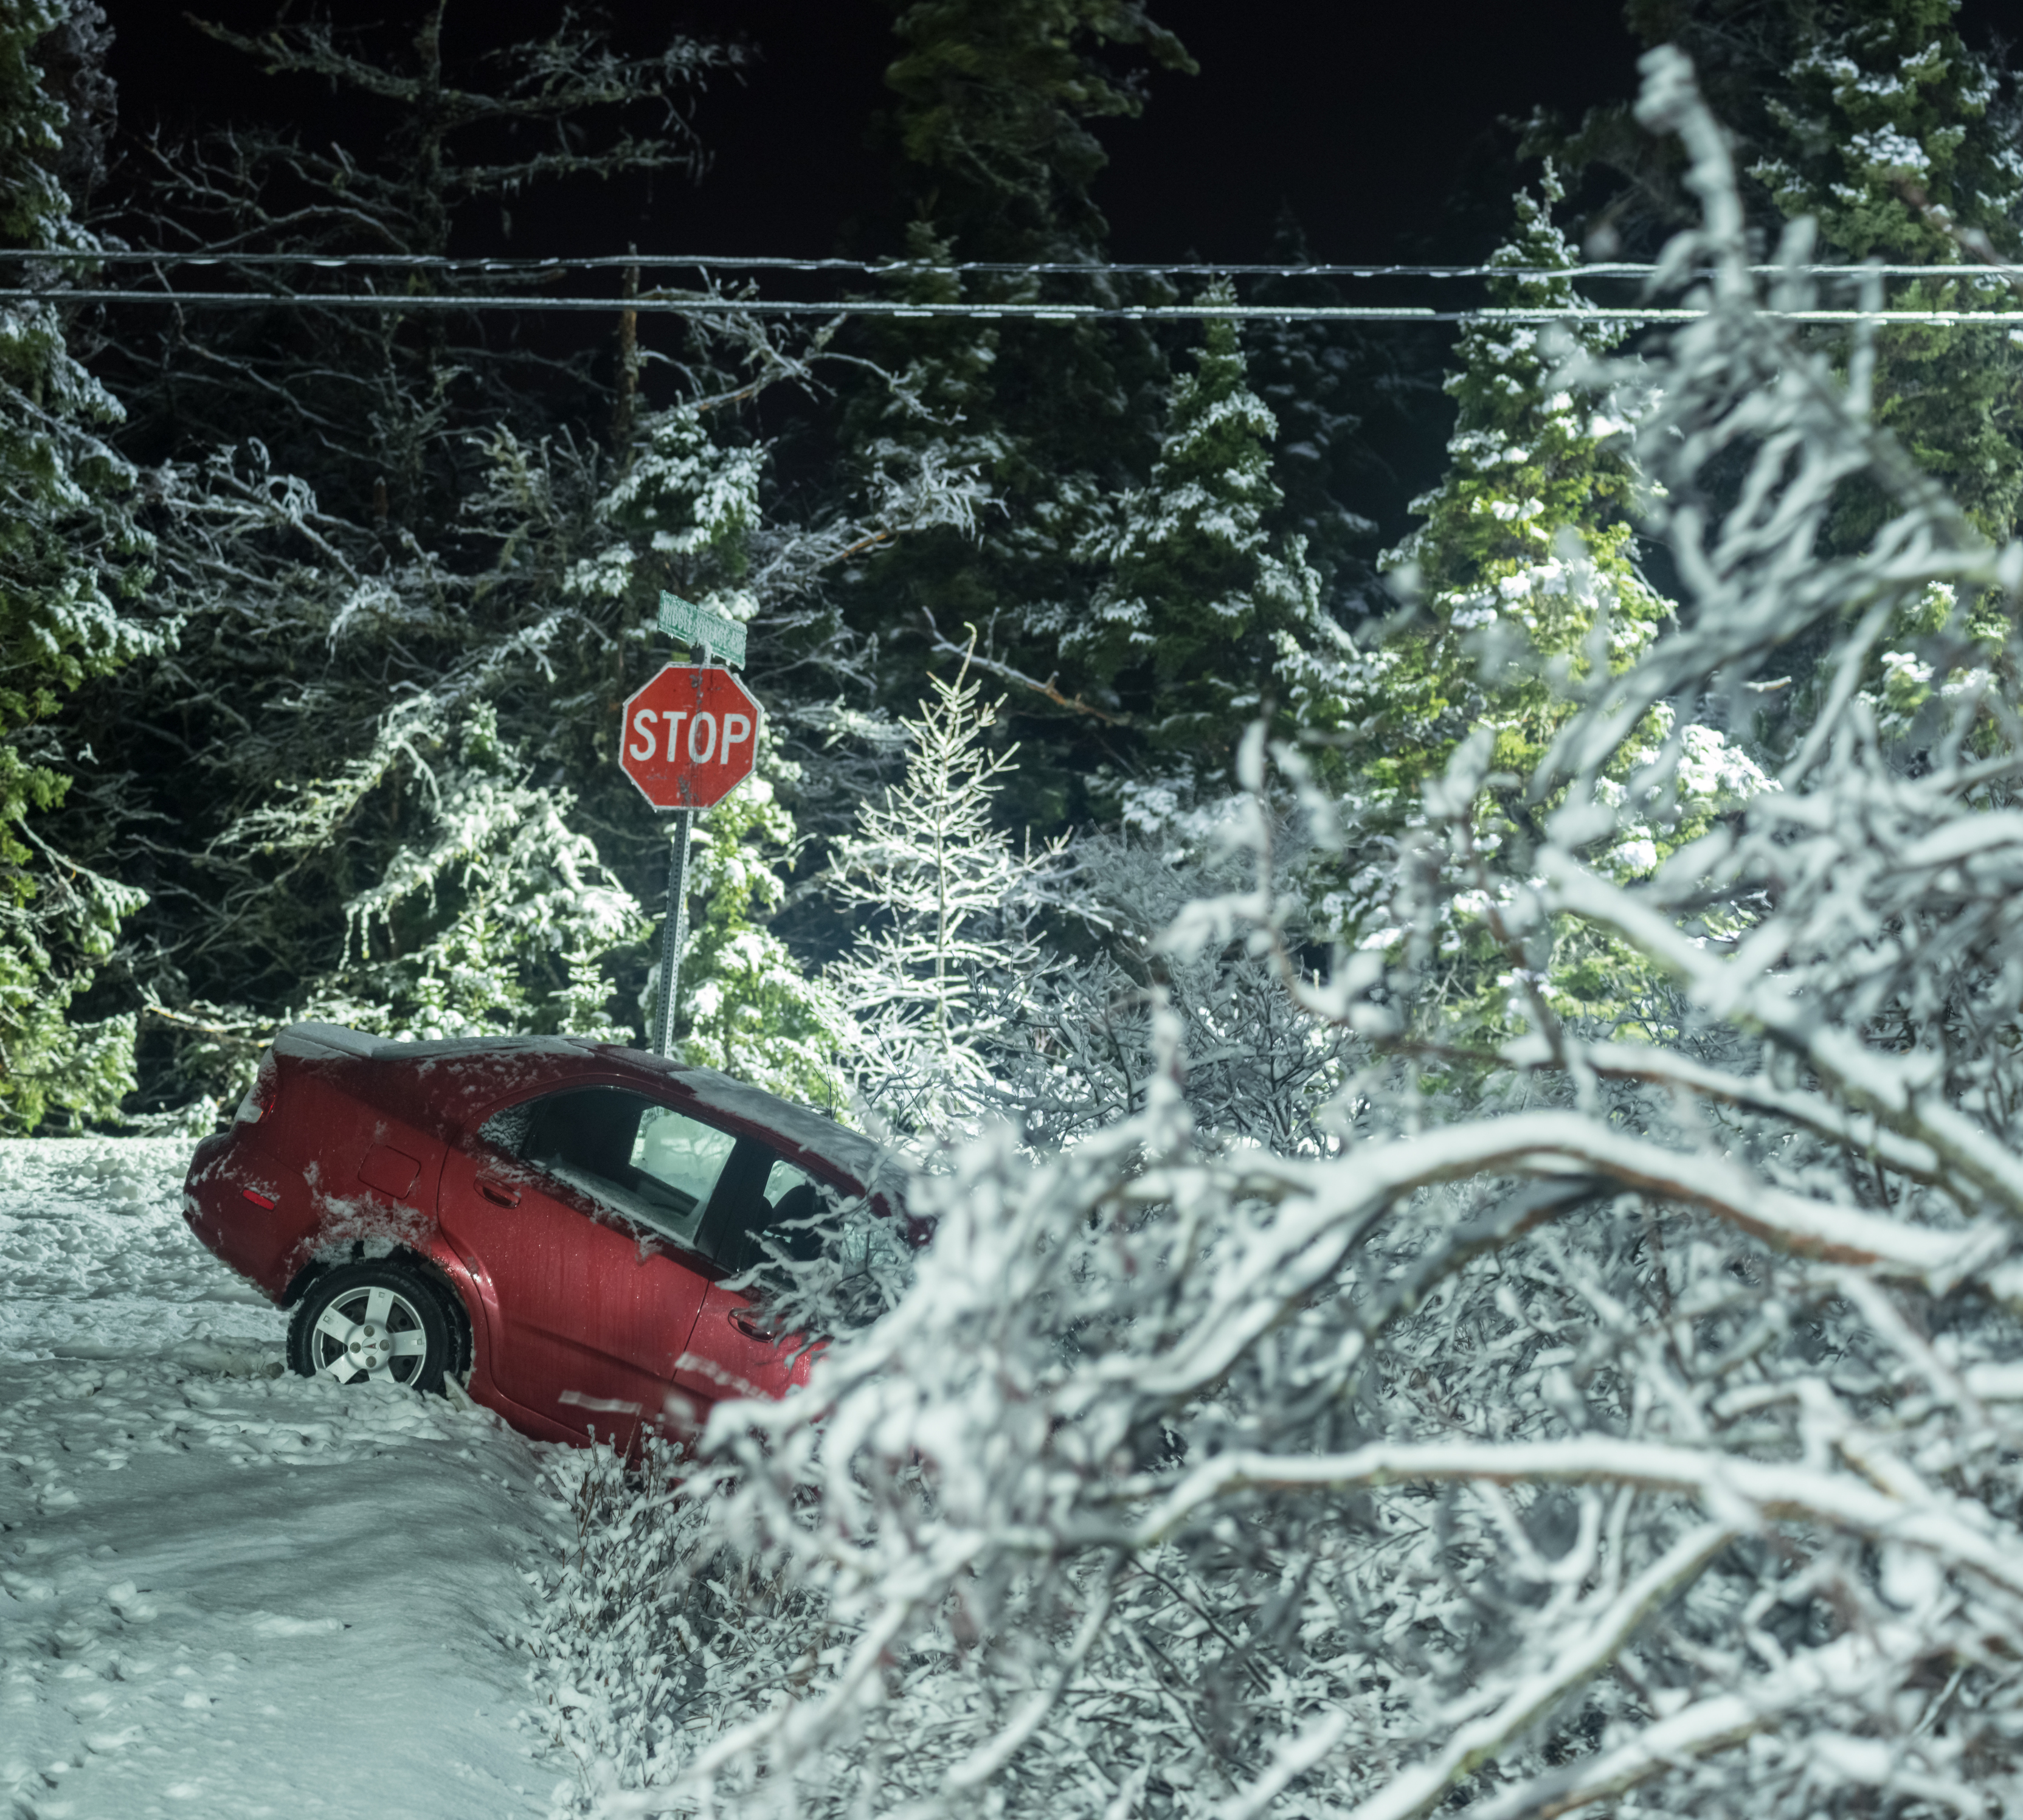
[650,304]
[909,268]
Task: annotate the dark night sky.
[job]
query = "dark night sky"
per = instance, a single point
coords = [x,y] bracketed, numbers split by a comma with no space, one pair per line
[1366,119]
[1376,123]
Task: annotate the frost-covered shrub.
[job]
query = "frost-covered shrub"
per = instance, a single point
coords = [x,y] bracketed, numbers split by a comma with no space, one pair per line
[1077,1045]
[658,1632]
[1629,1425]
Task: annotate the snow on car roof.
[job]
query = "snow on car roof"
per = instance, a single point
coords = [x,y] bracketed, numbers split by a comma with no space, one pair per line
[495,1067]
[801,1125]
[380,1048]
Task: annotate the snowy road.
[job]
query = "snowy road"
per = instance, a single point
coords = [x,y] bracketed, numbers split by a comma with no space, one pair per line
[226,1590]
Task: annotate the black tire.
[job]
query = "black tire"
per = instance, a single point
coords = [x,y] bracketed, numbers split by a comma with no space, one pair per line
[376,1319]
[456,1318]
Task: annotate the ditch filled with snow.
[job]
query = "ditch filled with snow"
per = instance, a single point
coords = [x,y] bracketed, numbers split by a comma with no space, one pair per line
[225,1589]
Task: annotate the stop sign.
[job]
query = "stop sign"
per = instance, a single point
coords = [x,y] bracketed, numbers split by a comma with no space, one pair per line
[690,737]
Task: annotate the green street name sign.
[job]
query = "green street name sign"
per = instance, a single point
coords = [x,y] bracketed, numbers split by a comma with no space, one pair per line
[697,626]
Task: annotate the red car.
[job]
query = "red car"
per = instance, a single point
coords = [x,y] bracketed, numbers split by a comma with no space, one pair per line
[550,1221]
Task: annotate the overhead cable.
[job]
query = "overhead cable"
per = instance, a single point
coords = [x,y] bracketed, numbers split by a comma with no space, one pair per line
[909,268]
[648,303]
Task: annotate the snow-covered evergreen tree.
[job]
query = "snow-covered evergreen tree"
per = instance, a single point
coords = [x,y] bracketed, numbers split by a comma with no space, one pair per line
[996,101]
[393,576]
[1528,598]
[747,1006]
[1900,142]
[495,919]
[939,418]
[71,558]
[944,954]
[1527,543]
[679,515]
[1202,608]
[1880,122]
[1331,387]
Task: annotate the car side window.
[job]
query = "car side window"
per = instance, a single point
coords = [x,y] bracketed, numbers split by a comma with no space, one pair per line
[646,1162]
[782,1179]
[506,1129]
[678,1161]
[790,1194]
[789,1198]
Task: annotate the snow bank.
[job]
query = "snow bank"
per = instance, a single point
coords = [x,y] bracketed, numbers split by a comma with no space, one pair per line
[225,1589]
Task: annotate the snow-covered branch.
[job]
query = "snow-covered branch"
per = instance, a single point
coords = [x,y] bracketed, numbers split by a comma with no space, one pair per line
[1607,1395]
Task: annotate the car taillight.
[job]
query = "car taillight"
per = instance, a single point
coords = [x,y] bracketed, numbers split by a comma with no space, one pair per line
[261,1096]
[260,1200]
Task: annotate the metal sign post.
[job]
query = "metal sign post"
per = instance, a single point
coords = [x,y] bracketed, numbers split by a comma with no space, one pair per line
[674,935]
[674,930]
[659,775]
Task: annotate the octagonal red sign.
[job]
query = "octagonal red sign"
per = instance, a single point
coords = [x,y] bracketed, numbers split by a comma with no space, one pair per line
[691,736]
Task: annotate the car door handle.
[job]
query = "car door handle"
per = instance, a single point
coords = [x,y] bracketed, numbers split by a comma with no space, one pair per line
[747,1323]
[497,1192]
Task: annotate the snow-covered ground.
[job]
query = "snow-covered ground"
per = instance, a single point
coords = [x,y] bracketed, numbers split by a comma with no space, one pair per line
[225,1589]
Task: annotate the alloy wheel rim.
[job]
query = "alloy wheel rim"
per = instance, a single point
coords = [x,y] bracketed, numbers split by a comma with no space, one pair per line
[372,1332]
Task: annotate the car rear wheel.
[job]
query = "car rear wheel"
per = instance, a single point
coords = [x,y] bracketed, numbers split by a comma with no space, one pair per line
[374,1320]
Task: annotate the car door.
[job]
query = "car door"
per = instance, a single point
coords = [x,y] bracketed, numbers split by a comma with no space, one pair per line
[729,1353]
[594,1287]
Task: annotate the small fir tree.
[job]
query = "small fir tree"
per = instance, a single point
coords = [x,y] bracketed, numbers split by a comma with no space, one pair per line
[746,1006]
[678,514]
[946,953]
[1526,547]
